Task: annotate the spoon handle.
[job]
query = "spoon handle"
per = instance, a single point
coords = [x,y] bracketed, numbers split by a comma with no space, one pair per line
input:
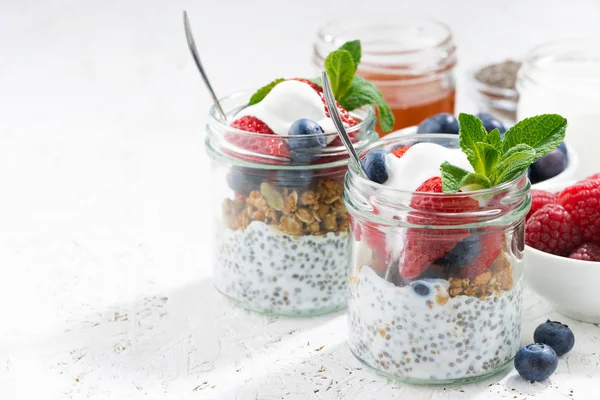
[192,45]
[339,125]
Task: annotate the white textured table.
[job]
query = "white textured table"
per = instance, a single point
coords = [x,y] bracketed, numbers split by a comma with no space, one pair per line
[104,240]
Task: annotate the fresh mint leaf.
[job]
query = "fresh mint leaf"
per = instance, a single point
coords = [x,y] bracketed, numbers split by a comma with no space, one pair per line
[340,68]
[455,178]
[543,132]
[494,139]
[471,133]
[361,93]
[452,176]
[261,93]
[354,48]
[488,157]
[514,163]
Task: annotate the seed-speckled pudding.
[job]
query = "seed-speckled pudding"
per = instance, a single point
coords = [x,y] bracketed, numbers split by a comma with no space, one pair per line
[419,332]
[285,250]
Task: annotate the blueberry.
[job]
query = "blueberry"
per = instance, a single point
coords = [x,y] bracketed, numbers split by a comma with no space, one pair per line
[374,165]
[556,335]
[305,134]
[563,148]
[294,178]
[548,166]
[490,123]
[421,288]
[462,254]
[244,180]
[536,362]
[440,123]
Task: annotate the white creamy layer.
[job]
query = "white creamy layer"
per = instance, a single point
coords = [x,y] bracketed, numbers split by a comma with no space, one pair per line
[420,163]
[287,102]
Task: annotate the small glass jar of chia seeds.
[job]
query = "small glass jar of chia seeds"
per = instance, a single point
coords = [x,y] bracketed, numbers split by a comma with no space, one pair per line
[435,279]
[281,228]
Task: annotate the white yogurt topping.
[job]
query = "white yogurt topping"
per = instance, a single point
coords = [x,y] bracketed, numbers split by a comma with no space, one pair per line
[287,102]
[420,163]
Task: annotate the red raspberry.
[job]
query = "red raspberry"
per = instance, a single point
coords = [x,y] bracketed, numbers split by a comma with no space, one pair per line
[539,198]
[425,245]
[582,201]
[593,177]
[251,124]
[552,229]
[263,142]
[586,252]
[344,115]
[399,152]
[313,85]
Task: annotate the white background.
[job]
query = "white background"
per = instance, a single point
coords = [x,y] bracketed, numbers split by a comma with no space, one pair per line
[104,214]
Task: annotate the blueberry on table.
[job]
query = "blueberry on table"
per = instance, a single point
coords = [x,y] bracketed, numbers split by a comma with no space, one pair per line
[536,362]
[305,134]
[490,123]
[374,165]
[548,166]
[440,123]
[556,335]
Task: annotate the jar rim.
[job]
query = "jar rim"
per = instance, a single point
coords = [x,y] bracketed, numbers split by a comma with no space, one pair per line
[391,55]
[216,121]
[539,59]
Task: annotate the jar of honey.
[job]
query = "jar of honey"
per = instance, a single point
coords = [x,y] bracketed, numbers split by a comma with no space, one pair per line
[410,59]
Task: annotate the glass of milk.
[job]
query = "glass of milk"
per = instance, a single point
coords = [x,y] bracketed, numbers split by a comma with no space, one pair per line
[564,77]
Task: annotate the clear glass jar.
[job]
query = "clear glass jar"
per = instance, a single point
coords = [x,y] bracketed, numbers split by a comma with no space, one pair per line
[435,279]
[564,78]
[281,230]
[409,58]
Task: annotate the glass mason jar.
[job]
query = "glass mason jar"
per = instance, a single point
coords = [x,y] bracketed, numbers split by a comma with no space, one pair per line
[409,58]
[435,279]
[281,230]
[564,77]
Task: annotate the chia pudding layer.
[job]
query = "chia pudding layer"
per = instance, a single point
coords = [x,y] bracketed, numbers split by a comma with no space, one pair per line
[432,337]
[269,271]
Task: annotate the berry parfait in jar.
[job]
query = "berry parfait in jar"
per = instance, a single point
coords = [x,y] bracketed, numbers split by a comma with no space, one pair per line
[437,249]
[281,225]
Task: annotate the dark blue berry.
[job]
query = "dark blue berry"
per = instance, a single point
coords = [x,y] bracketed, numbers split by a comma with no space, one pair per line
[374,165]
[421,288]
[563,147]
[490,123]
[462,254]
[298,178]
[440,123]
[244,180]
[556,335]
[305,135]
[548,166]
[536,362]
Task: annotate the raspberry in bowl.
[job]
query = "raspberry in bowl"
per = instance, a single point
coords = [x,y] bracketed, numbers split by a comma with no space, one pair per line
[563,247]
[278,166]
[437,251]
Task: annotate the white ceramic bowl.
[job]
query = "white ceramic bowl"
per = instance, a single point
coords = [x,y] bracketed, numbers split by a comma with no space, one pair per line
[572,286]
[566,175]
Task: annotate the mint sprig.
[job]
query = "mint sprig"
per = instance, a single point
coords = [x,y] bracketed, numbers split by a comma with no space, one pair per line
[349,90]
[496,160]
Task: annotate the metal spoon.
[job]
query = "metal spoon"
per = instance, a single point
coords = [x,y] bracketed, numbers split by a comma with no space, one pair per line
[192,45]
[339,125]
[194,51]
